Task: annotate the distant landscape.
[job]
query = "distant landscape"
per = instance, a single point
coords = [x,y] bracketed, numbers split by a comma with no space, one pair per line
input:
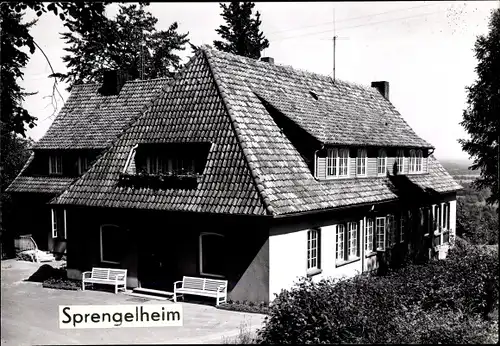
[460,171]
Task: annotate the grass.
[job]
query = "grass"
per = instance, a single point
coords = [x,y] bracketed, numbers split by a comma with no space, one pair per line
[245,336]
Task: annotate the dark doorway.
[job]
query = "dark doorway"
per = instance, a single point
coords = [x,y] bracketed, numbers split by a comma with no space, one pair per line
[156,264]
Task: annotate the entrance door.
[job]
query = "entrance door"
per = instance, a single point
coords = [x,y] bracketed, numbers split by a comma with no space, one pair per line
[155,265]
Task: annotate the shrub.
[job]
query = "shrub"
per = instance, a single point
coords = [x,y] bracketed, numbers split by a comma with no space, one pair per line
[62,284]
[439,302]
[261,308]
[46,272]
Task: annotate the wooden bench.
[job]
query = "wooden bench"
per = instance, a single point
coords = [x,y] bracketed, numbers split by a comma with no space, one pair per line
[106,276]
[201,287]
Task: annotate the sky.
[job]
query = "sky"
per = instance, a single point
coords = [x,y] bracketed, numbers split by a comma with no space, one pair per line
[423,49]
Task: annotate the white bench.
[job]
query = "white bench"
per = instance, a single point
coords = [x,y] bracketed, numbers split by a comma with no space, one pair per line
[201,287]
[106,276]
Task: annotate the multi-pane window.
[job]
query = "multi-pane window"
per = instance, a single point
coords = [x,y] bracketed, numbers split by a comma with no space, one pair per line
[380,231]
[400,161]
[361,162]
[58,223]
[402,227]
[391,230]
[339,250]
[415,161]
[352,245]
[382,162]
[83,164]
[331,163]
[55,164]
[313,249]
[337,162]
[164,165]
[369,236]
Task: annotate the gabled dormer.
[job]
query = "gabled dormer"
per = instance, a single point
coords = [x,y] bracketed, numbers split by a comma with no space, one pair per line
[344,162]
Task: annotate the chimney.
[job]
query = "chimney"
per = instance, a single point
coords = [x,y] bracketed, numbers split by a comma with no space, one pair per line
[113,82]
[267,59]
[382,87]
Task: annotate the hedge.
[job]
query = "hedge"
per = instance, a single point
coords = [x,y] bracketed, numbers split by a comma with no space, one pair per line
[439,302]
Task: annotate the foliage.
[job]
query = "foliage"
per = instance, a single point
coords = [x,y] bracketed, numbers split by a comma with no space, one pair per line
[440,302]
[476,221]
[242,33]
[15,35]
[480,119]
[62,284]
[129,42]
[245,306]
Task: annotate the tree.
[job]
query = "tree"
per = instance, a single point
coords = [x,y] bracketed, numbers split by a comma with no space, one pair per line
[241,34]
[129,42]
[481,118]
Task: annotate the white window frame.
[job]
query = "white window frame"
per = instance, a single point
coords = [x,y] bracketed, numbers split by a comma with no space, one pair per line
[55,224]
[101,247]
[200,249]
[337,162]
[402,227]
[361,162]
[57,164]
[369,235]
[313,245]
[83,164]
[352,241]
[382,162]
[380,232]
[416,165]
[400,161]
[340,243]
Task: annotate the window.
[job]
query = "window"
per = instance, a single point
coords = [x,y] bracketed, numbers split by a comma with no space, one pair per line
[391,230]
[313,249]
[415,161]
[369,236]
[332,162]
[402,226]
[347,242]
[400,161]
[337,162]
[361,162]
[165,165]
[82,164]
[436,219]
[352,245]
[382,162]
[380,225]
[58,223]
[111,244]
[55,164]
[446,216]
[212,250]
[339,251]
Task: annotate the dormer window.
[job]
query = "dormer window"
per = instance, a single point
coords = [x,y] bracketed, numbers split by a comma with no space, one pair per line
[400,161]
[55,165]
[415,161]
[337,162]
[159,164]
[361,161]
[382,162]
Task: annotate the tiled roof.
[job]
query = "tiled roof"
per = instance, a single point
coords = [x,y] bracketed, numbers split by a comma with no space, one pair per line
[54,185]
[191,111]
[252,167]
[90,120]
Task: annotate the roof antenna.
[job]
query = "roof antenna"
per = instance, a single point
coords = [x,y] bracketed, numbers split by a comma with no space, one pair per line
[335,37]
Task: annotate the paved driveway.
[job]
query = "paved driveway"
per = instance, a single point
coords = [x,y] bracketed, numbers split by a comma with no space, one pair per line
[29,316]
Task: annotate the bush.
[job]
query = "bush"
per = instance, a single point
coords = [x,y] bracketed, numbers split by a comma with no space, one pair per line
[62,284]
[261,308]
[439,302]
[46,272]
